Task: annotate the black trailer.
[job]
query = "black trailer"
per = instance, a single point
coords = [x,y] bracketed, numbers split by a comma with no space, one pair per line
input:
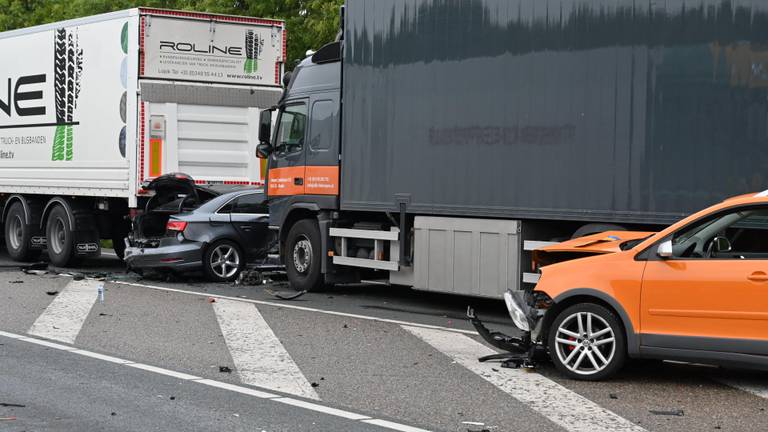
[466,131]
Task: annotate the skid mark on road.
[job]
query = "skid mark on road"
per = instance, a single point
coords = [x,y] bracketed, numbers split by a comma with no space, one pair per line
[560,405]
[260,358]
[64,317]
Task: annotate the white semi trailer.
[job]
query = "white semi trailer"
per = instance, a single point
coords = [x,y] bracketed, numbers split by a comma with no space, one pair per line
[92,108]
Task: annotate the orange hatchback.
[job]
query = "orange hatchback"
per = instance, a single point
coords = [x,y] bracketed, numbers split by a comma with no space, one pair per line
[696,291]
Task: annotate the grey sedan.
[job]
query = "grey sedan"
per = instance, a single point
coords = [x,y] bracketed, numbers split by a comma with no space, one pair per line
[219,236]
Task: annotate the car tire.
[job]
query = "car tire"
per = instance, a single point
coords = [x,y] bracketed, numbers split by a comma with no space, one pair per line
[60,238]
[595,357]
[223,261]
[302,256]
[18,235]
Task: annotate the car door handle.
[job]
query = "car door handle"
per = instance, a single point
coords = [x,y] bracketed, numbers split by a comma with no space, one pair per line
[758,276]
[298,181]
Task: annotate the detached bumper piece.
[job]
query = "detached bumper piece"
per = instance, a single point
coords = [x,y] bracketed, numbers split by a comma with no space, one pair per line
[520,351]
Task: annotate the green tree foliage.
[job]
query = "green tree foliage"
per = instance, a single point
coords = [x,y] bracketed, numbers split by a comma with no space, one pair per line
[310,23]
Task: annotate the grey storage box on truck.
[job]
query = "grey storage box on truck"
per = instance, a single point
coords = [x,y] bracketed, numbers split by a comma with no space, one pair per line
[602,110]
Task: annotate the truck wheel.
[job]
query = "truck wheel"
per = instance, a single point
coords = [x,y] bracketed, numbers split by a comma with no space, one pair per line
[586,342]
[60,238]
[18,235]
[303,255]
[595,228]
[223,261]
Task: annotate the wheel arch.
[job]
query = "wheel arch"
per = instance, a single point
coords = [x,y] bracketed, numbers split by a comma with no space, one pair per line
[24,204]
[296,213]
[590,295]
[52,203]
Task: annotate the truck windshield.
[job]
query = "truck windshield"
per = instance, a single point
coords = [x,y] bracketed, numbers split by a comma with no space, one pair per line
[292,128]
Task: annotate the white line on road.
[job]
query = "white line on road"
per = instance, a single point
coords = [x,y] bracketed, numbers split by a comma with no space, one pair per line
[64,317]
[301,308]
[220,385]
[560,405]
[260,358]
[758,389]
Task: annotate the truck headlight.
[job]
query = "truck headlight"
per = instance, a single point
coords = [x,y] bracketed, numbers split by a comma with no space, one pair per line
[516,312]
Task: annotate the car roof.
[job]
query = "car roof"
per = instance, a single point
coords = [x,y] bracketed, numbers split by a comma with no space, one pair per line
[214,204]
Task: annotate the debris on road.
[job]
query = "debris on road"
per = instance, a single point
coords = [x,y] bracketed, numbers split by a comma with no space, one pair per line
[211,300]
[51,293]
[16,282]
[282,295]
[613,396]
[11,405]
[7,418]
[101,293]
[676,413]
[315,385]
[225,369]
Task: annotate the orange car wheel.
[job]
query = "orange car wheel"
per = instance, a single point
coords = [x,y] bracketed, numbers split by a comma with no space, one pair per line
[586,342]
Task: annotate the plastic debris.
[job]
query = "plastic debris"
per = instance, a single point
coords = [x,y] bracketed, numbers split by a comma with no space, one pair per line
[11,405]
[315,385]
[677,413]
[7,418]
[225,369]
[51,293]
[211,300]
[613,396]
[16,282]
[101,293]
[282,295]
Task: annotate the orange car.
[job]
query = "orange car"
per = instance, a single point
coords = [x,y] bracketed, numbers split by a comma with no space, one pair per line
[696,291]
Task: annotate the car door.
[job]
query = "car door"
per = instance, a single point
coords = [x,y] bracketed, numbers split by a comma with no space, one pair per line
[286,170]
[704,299]
[250,217]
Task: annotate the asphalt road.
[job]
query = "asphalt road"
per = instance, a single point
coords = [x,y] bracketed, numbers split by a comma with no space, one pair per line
[399,358]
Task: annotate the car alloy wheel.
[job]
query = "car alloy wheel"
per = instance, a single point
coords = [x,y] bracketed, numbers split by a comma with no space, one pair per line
[302,255]
[585,343]
[224,261]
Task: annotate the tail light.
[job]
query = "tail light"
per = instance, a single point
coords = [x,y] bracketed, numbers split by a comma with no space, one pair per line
[176,225]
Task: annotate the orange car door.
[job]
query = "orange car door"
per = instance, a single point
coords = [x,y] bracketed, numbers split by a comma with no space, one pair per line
[716,303]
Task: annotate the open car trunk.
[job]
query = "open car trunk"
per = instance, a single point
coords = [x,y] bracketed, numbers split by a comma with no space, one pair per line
[174,193]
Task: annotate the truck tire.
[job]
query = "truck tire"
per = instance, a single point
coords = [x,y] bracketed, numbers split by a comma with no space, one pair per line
[303,255]
[595,228]
[18,235]
[587,342]
[61,245]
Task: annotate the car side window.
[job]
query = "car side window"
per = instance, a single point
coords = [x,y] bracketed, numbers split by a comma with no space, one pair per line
[740,233]
[251,204]
[227,208]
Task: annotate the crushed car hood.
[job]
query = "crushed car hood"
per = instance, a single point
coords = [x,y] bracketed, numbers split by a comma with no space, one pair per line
[594,244]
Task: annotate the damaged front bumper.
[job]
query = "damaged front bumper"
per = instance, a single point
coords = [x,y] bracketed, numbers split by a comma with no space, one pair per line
[170,254]
[522,350]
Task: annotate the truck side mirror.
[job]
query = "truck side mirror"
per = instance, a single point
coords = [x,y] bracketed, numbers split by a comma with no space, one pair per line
[265,126]
[665,249]
[263,150]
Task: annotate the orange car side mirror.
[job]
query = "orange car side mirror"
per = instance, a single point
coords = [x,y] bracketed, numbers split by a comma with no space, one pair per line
[665,249]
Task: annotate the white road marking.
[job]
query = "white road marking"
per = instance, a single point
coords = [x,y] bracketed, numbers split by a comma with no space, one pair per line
[322,408]
[394,426]
[64,317]
[218,384]
[301,308]
[260,358]
[758,389]
[565,408]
